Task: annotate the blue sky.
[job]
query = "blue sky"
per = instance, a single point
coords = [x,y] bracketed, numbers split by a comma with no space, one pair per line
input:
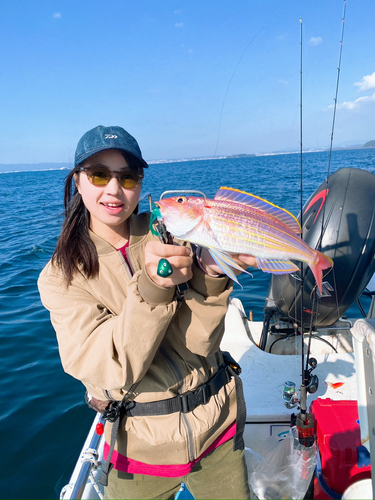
[187,78]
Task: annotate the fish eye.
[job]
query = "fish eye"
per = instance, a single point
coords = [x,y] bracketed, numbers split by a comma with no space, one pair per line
[181,199]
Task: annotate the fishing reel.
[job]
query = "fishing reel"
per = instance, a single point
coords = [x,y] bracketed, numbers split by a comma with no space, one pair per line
[290,395]
[310,384]
[311,381]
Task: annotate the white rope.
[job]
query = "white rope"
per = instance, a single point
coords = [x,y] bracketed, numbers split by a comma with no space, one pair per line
[91,455]
[95,486]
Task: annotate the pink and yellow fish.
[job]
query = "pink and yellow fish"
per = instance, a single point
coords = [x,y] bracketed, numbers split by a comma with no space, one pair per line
[235,222]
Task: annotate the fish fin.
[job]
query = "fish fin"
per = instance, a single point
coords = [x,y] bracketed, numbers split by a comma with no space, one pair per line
[326,290]
[225,262]
[250,200]
[322,262]
[276,266]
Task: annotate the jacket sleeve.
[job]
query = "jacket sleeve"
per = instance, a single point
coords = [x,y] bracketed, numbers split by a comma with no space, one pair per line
[106,352]
[202,315]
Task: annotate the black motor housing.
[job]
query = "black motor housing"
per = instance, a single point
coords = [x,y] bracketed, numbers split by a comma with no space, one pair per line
[338,220]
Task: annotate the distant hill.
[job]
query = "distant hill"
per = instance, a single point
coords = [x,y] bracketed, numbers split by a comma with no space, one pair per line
[240,156]
[28,167]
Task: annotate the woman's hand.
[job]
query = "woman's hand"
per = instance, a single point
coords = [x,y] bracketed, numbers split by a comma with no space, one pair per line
[211,267]
[179,258]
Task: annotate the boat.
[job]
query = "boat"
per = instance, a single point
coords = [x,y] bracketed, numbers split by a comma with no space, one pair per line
[332,458]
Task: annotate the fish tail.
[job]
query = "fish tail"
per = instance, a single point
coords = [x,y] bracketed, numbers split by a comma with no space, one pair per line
[321,262]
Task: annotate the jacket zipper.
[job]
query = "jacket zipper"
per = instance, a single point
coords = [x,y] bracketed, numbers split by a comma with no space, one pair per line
[175,369]
[129,267]
[130,273]
[189,435]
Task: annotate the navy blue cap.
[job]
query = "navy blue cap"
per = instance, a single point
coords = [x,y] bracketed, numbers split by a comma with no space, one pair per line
[101,138]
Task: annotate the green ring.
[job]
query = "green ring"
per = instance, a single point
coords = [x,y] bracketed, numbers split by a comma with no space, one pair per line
[164,268]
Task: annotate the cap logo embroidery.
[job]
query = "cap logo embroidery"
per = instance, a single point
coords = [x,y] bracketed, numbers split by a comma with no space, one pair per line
[110,136]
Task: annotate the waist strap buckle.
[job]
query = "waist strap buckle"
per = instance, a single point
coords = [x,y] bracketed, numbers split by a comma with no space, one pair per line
[191,400]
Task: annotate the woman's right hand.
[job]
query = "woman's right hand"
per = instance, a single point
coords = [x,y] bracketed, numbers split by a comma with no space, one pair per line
[179,258]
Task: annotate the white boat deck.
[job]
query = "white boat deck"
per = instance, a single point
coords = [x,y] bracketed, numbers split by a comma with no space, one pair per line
[264,374]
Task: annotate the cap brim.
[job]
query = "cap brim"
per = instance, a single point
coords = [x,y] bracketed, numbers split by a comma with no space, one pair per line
[92,152]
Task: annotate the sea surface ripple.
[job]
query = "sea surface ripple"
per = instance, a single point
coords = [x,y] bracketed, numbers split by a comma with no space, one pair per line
[44,419]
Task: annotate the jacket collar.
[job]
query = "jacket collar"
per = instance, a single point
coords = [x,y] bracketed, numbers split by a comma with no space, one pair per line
[138,232]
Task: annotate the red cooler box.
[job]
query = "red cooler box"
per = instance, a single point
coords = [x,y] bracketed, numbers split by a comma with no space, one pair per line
[343,460]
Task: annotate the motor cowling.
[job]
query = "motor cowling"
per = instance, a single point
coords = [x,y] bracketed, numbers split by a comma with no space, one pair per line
[338,220]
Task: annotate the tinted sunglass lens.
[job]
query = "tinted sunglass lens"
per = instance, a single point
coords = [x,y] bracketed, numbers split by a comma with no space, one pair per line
[99,177]
[128,182]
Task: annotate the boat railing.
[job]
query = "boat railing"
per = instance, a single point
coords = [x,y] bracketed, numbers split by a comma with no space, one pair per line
[364,350]
[86,463]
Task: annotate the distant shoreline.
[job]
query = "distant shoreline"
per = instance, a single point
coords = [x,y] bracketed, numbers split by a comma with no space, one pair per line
[37,167]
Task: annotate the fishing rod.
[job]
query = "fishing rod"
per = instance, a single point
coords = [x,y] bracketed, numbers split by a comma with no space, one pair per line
[330,150]
[333,119]
[303,391]
[319,243]
[304,420]
[337,87]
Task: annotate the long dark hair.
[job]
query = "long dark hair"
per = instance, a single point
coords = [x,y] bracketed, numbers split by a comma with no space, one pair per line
[75,251]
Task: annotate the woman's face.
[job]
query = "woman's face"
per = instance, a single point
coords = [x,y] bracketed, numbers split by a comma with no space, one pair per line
[111,205]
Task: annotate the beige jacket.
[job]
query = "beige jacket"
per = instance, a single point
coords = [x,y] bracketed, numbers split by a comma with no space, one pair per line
[119,328]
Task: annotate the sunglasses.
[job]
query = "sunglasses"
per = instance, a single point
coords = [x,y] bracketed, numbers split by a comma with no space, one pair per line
[100,176]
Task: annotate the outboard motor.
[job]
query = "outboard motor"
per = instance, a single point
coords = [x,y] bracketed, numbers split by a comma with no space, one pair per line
[338,220]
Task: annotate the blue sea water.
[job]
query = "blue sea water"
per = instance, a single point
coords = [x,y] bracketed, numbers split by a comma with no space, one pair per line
[43,417]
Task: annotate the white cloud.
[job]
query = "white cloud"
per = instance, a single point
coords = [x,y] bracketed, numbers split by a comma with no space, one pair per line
[357,103]
[315,40]
[177,12]
[56,15]
[368,82]
[283,82]
[179,25]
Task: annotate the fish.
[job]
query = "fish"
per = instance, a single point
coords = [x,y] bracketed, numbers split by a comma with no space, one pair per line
[236,222]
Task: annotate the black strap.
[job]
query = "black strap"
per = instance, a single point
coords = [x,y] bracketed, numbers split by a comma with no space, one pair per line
[184,403]
[238,442]
[108,465]
[113,414]
[235,371]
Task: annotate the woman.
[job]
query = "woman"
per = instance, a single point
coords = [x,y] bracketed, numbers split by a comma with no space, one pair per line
[125,330]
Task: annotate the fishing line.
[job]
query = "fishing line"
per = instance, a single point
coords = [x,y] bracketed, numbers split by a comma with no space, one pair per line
[331,142]
[229,84]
